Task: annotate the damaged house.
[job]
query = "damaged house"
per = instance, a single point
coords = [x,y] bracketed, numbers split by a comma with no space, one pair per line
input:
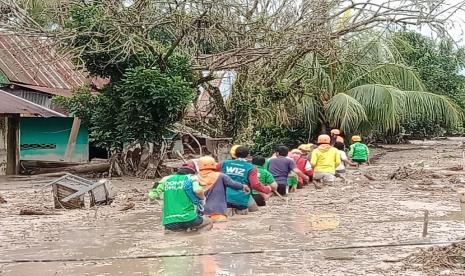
[31,128]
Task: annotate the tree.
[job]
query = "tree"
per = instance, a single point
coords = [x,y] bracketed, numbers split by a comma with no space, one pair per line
[262,40]
[439,64]
[367,88]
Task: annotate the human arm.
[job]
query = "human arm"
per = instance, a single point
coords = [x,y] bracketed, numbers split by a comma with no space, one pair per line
[269,180]
[313,159]
[301,174]
[228,182]
[155,192]
[351,151]
[255,184]
[219,165]
[198,189]
[338,158]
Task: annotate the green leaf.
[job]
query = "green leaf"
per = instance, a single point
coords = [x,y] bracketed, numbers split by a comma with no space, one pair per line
[345,112]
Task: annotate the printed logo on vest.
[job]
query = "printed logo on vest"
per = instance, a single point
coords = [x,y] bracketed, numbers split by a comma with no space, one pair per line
[235,171]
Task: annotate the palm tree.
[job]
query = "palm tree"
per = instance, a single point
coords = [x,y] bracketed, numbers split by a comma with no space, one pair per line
[367,88]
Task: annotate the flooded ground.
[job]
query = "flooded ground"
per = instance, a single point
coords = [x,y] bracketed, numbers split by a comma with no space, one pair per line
[355,227]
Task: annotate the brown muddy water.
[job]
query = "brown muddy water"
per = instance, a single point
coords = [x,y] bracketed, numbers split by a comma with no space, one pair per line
[355,227]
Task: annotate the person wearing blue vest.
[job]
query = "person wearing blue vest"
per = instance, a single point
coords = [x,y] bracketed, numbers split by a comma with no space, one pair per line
[245,173]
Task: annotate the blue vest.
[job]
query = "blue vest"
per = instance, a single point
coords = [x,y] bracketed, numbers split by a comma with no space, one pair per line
[239,171]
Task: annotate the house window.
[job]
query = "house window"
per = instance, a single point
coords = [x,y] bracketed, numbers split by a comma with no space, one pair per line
[38,146]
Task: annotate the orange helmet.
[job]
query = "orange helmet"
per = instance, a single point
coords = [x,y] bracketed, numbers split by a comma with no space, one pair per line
[324,139]
[339,139]
[356,138]
[232,152]
[335,131]
[207,163]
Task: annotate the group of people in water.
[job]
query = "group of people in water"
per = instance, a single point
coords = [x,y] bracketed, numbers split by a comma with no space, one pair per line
[204,191]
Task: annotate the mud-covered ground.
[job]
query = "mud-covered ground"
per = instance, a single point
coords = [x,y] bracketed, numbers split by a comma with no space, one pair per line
[355,227]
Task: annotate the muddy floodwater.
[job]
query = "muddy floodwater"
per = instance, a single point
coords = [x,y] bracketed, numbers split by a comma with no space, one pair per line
[358,226]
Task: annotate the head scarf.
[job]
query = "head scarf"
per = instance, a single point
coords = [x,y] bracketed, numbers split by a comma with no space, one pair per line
[207,172]
[187,168]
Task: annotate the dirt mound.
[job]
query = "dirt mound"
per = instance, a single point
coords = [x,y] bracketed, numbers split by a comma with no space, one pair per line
[415,171]
[438,258]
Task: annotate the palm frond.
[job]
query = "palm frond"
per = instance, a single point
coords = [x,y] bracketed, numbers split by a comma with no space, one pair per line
[432,107]
[392,74]
[383,104]
[345,112]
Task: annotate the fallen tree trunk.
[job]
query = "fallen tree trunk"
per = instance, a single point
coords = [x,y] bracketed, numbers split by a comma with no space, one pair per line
[86,168]
[30,212]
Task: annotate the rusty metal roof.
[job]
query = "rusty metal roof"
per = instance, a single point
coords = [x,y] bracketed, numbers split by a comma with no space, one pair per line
[33,62]
[11,104]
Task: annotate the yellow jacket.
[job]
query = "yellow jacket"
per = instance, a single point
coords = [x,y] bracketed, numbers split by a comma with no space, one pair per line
[325,159]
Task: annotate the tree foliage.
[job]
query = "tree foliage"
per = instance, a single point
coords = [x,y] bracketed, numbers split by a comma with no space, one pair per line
[439,64]
[367,87]
[138,108]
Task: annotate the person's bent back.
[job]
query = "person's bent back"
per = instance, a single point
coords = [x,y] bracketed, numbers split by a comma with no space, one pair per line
[325,160]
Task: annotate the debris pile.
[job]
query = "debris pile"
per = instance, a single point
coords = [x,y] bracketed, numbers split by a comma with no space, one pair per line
[69,192]
[411,171]
[437,258]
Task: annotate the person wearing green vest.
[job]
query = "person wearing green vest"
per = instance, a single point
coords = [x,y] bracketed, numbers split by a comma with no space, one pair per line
[265,178]
[359,152]
[245,173]
[179,210]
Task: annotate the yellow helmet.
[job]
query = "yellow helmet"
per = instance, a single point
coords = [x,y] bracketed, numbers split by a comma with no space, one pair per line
[356,138]
[232,152]
[335,131]
[324,139]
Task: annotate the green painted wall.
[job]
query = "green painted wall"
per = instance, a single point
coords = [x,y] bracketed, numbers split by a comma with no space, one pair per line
[46,139]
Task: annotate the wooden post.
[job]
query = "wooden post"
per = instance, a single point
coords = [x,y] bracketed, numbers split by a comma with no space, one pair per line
[72,138]
[425,224]
[461,193]
[13,145]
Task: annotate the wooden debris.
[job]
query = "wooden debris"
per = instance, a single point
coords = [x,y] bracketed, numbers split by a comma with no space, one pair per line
[128,206]
[31,212]
[78,169]
[369,177]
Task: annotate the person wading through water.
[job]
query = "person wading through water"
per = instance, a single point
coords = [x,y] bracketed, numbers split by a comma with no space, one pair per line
[215,185]
[179,210]
[325,160]
[245,173]
[281,166]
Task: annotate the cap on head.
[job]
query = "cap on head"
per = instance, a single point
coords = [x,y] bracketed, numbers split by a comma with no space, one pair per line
[339,139]
[188,168]
[232,152]
[296,151]
[305,147]
[324,139]
[207,163]
[356,138]
[335,131]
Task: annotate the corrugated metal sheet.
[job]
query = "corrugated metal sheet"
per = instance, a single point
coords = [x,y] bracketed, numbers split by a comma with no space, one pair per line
[34,62]
[11,104]
[39,98]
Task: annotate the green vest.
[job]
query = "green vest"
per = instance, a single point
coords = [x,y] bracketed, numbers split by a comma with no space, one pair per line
[360,151]
[177,206]
[239,171]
